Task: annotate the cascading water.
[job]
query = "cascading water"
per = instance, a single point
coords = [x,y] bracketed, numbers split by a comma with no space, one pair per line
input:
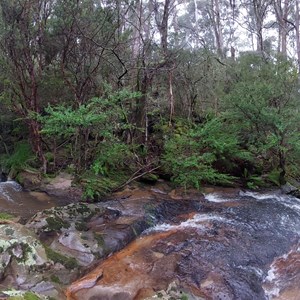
[237,245]
[16,201]
[7,188]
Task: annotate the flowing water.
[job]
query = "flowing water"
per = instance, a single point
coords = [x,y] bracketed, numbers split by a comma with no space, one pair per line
[234,245]
[16,201]
[227,244]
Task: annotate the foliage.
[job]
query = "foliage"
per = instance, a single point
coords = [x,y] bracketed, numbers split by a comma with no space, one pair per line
[201,154]
[19,159]
[99,114]
[90,129]
[97,186]
[111,157]
[263,102]
[110,169]
[64,63]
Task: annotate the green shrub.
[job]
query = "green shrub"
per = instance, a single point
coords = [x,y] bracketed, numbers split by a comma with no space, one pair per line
[20,158]
[263,102]
[201,154]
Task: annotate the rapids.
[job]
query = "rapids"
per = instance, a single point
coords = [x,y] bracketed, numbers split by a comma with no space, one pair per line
[234,245]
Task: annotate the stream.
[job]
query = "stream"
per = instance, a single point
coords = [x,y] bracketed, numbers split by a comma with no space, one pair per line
[235,245]
[24,204]
[223,244]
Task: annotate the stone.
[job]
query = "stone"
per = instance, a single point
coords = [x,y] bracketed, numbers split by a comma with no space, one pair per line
[288,188]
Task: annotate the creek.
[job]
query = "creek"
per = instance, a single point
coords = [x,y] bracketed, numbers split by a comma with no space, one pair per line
[223,244]
[234,245]
[15,200]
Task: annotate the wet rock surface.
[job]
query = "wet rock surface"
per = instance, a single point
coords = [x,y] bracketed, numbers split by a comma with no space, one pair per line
[223,251]
[72,238]
[227,245]
[61,186]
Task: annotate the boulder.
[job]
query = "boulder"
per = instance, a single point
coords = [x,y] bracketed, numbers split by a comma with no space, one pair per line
[61,186]
[21,254]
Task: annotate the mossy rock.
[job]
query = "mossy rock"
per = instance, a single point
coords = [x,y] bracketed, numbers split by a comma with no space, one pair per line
[29,179]
[55,223]
[19,245]
[81,226]
[67,262]
[21,295]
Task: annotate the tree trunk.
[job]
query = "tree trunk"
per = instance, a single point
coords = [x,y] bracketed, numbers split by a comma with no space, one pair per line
[171,96]
[36,142]
[297,24]
[282,16]
[141,110]
[217,27]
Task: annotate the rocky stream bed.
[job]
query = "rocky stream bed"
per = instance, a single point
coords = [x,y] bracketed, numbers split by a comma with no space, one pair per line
[150,242]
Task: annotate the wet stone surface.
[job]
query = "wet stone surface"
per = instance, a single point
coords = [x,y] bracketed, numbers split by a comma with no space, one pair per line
[224,251]
[74,237]
[168,244]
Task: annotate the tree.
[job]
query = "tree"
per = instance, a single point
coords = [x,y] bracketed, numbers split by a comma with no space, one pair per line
[22,43]
[282,11]
[257,11]
[297,27]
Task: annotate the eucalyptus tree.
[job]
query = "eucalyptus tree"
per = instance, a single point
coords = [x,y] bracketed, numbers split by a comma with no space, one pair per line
[283,10]
[297,27]
[86,36]
[255,19]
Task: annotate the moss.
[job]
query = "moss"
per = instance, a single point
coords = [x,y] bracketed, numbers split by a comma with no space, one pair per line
[30,296]
[149,178]
[100,240]
[26,296]
[26,249]
[68,262]
[56,223]
[55,279]
[82,209]
[81,226]
[5,216]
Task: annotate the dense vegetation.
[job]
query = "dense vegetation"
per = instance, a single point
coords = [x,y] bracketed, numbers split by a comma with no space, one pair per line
[112,91]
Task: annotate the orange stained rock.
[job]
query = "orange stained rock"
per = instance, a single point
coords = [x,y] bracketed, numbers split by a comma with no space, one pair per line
[127,267]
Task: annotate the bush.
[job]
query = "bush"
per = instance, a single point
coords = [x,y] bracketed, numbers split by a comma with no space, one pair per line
[20,158]
[201,154]
[263,101]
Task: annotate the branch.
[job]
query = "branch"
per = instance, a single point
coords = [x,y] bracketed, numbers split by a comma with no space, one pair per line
[134,177]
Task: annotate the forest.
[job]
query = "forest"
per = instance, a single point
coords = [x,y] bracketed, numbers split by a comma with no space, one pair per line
[194,91]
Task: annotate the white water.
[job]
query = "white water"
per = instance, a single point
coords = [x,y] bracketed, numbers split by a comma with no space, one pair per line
[275,282]
[5,188]
[198,221]
[286,200]
[215,197]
